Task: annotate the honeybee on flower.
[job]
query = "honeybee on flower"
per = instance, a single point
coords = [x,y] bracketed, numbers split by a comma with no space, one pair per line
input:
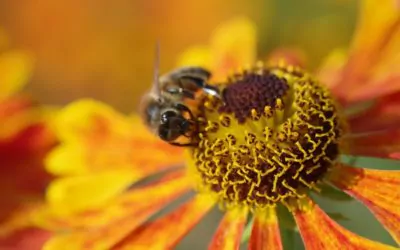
[274,138]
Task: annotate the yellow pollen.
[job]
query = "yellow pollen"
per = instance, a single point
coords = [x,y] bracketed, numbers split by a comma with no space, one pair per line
[271,137]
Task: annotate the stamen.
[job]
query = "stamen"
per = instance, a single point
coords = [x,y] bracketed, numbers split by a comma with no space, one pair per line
[272,137]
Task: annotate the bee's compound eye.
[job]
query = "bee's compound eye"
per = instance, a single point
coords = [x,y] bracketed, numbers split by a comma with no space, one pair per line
[167,116]
[167,133]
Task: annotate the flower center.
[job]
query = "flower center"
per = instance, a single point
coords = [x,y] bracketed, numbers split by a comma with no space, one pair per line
[273,136]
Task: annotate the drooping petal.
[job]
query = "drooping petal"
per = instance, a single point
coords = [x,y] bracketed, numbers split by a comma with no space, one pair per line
[321,232]
[103,227]
[95,137]
[379,190]
[373,59]
[375,144]
[229,232]
[166,232]
[265,234]
[15,70]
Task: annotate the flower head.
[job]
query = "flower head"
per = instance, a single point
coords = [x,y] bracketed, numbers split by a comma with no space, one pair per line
[274,138]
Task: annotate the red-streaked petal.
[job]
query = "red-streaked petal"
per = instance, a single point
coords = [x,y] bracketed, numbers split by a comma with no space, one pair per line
[379,190]
[372,58]
[166,232]
[321,232]
[229,232]
[27,238]
[375,144]
[384,114]
[127,203]
[265,234]
[105,227]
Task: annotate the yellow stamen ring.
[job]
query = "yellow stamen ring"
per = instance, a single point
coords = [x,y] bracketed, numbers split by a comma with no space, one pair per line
[273,136]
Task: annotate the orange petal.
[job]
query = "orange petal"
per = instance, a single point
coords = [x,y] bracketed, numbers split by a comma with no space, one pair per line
[95,137]
[229,232]
[265,234]
[166,232]
[375,52]
[321,232]
[158,193]
[375,144]
[377,189]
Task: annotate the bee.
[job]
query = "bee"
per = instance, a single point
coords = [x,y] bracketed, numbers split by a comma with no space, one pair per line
[165,108]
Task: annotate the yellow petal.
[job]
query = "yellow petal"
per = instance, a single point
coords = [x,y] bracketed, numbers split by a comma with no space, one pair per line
[265,233]
[233,45]
[95,137]
[229,232]
[166,232]
[321,232]
[71,194]
[15,70]
[196,56]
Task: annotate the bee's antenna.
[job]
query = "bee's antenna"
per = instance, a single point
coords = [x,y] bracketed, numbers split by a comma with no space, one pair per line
[156,81]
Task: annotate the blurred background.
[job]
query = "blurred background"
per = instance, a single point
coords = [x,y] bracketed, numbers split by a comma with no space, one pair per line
[104,49]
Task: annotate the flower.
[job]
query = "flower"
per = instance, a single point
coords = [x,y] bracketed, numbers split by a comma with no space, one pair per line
[275,138]
[25,138]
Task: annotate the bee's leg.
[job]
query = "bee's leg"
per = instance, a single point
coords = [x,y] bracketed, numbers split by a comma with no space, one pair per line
[183,108]
[183,144]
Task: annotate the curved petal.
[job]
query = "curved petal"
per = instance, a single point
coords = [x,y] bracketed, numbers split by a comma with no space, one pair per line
[373,59]
[103,227]
[229,232]
[377,189]
[96,137]
[265,234]
[15,70]
[70,194]
[321,232]
[165,233]
[233,45]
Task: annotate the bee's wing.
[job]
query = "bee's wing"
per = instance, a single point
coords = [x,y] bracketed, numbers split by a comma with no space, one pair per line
[191,71]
